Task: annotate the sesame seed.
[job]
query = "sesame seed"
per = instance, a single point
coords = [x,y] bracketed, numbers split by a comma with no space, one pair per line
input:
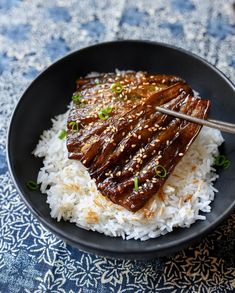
[181,154]
[133,145]
[139,136]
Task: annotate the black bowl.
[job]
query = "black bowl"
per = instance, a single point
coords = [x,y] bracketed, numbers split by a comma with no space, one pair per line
[49,95]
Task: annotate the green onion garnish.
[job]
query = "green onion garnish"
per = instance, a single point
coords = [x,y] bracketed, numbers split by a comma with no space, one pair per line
[219,161]
[136,183]
[117,88]
[227,164]
[62,134]
[104,113]
[222,161]
[96,81]
[76,98]
[32,185]
[74,126]
[160,171]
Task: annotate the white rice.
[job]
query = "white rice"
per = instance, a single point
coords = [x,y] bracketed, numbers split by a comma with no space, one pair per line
[73,196]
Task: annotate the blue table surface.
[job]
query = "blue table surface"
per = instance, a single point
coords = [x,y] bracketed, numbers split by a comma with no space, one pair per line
[32,35]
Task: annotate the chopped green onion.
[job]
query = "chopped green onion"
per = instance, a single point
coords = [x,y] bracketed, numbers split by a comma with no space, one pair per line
[32,185]
[74,126]
[103,116]
[219,161]
[76,98]
[136,183]
[108,109]
[227,164]
[97,81]
[160,171]
[117,88]
[62,134]
[104,113]
[222,161]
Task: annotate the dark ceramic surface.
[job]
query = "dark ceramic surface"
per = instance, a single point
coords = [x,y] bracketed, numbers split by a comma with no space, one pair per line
[50,94]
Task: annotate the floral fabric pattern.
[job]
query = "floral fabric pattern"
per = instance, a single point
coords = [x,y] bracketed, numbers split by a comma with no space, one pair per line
[32,35]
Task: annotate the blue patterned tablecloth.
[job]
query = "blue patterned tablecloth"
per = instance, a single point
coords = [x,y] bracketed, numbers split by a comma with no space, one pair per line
[32,35]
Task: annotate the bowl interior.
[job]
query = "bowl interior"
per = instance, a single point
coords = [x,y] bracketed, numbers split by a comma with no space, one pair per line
[50,94]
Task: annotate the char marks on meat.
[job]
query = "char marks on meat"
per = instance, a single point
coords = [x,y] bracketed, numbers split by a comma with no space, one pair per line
[135,138]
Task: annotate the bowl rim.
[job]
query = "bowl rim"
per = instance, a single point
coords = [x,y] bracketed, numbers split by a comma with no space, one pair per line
[93,245]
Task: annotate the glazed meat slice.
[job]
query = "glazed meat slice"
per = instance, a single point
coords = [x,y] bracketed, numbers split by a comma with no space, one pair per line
[128,146]
[96,94]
